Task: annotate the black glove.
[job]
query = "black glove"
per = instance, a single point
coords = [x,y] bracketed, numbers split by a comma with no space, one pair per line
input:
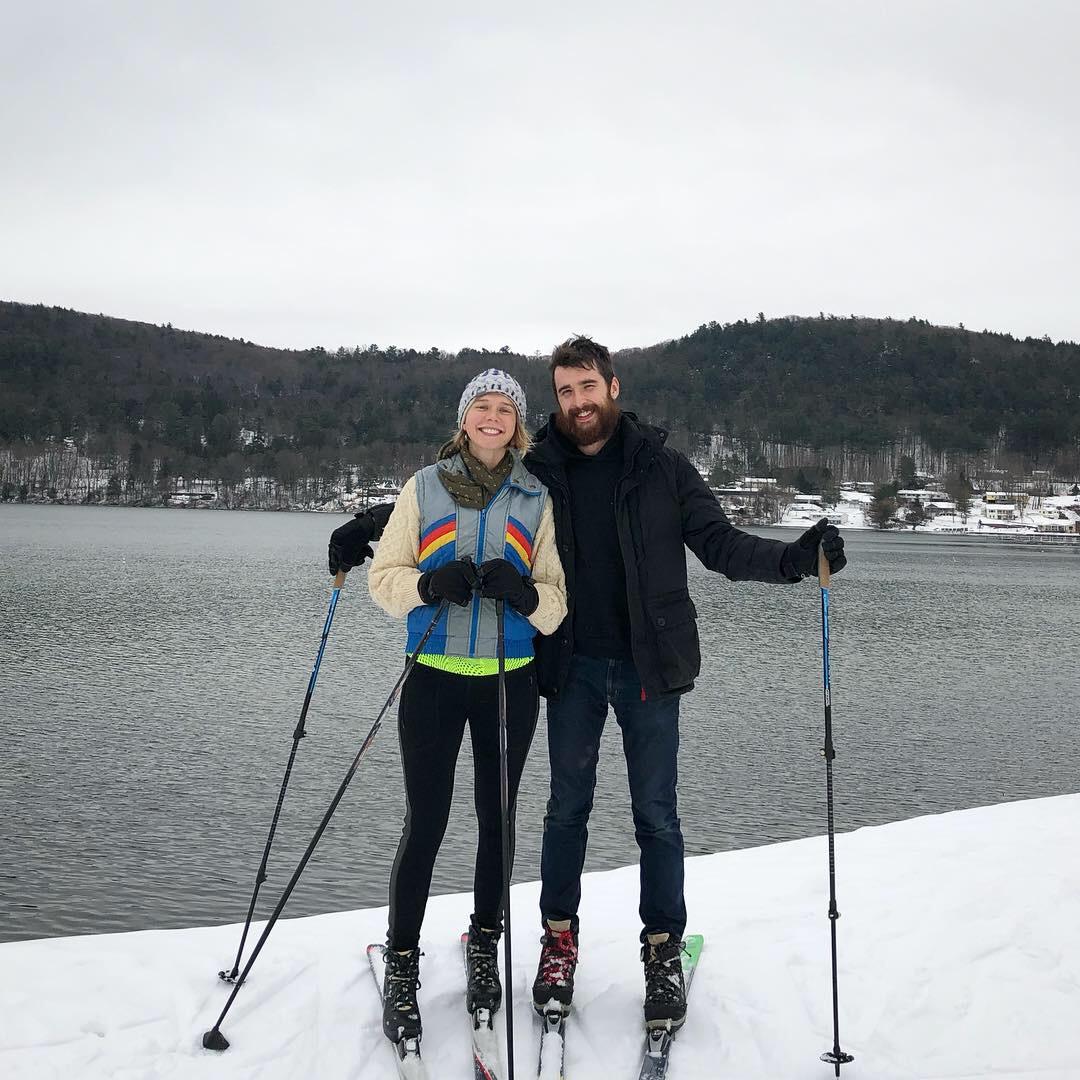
[453,581]
[801,558]
[380,515]
[350,544]
[500,580]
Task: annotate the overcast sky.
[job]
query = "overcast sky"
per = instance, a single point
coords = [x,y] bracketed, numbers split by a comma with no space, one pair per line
[442,174]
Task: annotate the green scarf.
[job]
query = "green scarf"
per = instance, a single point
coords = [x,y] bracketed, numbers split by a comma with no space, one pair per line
[476,487]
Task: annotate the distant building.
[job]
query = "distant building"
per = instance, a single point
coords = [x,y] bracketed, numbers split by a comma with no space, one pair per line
[192,493]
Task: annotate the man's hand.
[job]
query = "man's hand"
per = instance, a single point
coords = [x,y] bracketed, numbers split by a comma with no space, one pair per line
[801,558]
[350,544]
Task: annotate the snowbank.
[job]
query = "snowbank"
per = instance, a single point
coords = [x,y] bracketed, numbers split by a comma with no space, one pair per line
[959,953]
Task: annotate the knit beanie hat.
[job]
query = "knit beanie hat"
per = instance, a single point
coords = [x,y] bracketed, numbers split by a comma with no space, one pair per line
[492,381]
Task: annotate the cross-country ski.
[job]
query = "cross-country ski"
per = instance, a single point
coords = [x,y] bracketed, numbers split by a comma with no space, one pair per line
[487,1057]
[658,1039]
[552,1058]
[406,1051]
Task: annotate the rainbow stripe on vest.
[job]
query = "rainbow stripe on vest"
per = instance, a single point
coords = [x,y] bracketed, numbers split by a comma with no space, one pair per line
[436,537]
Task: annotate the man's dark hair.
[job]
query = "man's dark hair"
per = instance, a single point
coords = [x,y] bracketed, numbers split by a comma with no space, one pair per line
[582,352]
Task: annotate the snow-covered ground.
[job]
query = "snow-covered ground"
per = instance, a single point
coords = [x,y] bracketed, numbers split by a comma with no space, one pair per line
[848,513]
[959,949]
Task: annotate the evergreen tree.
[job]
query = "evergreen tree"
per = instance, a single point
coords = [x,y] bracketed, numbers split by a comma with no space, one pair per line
[959,491]
[720,476]
[883,507]
[907,478]
[916,514]
[164,475]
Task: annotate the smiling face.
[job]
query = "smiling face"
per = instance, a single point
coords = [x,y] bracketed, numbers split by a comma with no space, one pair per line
[588,412]
[490,423]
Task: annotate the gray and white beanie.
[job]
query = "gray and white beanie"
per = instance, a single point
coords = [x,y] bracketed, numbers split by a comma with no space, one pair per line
[492,381]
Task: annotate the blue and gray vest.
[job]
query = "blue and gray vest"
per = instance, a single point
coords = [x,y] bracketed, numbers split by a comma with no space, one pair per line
[504,529]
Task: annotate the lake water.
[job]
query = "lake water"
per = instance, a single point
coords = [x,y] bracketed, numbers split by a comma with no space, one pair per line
[153,664]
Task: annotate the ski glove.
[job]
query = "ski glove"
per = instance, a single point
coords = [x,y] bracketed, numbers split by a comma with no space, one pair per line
[453,581]
[801,558]
[350,544]
[500,580]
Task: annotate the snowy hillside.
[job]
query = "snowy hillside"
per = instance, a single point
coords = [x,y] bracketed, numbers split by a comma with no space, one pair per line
[959,954]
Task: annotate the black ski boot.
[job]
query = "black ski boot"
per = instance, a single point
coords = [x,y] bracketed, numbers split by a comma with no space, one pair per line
[484,990]
[665,989]
[401,1013]
[554,985]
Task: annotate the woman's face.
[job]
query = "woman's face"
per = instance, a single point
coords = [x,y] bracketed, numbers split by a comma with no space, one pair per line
[491,421]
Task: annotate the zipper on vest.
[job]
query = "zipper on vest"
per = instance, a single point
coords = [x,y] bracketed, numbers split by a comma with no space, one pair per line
[481,530]
[475,626]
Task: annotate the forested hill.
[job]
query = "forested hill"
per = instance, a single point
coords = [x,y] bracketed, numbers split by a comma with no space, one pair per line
[818,382]
[863,382]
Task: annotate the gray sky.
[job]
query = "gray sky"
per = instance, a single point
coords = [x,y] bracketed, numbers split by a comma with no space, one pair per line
[449,174]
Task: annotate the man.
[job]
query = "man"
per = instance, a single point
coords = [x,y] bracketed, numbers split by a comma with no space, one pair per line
[626,508]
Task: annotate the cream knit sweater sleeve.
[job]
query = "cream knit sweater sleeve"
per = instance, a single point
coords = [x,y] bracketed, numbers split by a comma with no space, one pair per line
[548,574]
[393,575]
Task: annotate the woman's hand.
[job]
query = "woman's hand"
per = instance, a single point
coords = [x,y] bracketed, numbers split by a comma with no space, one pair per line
[500,580]
[453,581]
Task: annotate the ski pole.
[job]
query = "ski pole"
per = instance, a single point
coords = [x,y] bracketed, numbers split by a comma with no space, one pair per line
[835,1057]
[298,734]
[213,1039]
[504,798]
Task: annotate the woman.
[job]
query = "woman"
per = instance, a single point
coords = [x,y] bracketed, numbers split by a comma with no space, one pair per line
[474,527]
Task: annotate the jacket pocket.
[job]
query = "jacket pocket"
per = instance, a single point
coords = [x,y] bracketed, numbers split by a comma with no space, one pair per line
[671,609]
[673,618]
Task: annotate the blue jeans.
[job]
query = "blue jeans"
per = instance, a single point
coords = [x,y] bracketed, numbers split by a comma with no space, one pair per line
[650,735]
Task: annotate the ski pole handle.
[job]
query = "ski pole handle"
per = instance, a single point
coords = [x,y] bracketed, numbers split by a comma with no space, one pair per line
[339,579]
[822,569]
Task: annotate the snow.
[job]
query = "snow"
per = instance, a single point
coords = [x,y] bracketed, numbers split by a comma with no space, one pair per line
[959,948]
[848,513]
[851,511]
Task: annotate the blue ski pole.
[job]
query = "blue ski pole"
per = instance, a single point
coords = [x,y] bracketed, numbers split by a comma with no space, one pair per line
[835,1057]
[298,734]
[213,1039]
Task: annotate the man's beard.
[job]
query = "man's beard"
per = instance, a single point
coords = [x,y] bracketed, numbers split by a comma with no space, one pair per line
[600,430]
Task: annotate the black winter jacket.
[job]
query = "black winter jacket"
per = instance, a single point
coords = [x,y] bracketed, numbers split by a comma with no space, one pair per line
[662,506]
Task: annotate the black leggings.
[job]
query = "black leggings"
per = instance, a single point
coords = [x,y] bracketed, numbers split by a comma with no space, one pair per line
[435,706]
